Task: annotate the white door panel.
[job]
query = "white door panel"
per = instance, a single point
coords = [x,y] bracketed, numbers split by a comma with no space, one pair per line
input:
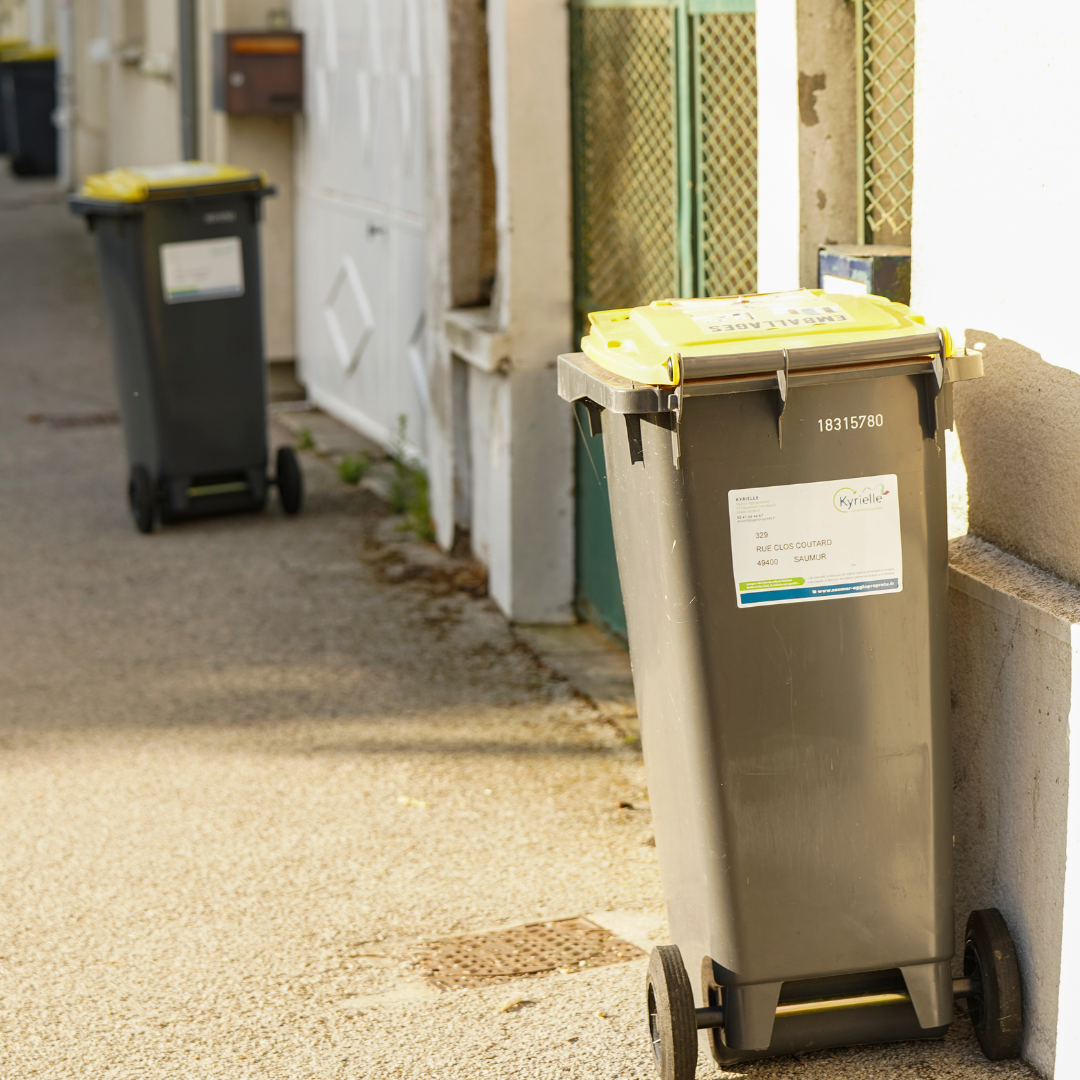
[360,234]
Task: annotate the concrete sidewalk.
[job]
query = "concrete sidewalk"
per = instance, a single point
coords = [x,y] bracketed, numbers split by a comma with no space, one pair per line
[241,775]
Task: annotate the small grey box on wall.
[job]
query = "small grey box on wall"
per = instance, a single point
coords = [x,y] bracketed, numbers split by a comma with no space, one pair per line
[259,72]
[880,269]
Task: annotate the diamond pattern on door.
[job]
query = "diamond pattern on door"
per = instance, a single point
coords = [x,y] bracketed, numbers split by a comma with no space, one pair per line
[348,315]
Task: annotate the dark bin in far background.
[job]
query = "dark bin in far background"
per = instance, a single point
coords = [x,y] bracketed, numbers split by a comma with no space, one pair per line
[776,472]
[178,253]
[27,104]
[6,44]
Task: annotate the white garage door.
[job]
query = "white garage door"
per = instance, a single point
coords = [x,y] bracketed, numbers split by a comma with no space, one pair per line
[360,243]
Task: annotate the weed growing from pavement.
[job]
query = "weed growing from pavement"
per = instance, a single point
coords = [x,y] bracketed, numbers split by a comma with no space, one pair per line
[352,467]
[409,490]
[304,439]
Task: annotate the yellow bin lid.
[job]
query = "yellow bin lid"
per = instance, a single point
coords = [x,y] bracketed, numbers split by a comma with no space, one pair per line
[17,51]
[659,343]
[167,181]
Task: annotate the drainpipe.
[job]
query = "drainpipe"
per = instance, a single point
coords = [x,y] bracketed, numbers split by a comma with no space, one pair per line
[65,115]
[189,85]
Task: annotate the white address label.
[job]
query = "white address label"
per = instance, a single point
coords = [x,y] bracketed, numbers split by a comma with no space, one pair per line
[202,269]
[801,542]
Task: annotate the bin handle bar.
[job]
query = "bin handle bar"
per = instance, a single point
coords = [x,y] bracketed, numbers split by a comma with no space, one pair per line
[815,356]
[580,377]
[712,1016]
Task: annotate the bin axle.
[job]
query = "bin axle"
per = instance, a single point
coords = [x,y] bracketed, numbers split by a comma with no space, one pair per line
[712,1016]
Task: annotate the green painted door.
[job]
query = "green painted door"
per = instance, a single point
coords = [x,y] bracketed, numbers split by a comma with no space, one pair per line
[665,194]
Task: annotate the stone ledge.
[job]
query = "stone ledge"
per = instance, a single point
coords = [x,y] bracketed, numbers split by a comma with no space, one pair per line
[1014,587]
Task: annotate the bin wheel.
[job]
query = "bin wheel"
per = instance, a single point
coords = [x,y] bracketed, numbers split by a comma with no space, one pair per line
[141,499]
[672,1019]
[996,1004]
[290,480]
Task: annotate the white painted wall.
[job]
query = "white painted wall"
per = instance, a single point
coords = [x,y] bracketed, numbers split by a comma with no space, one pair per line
[530,110]
[255,142]
[995,212]
[522,459]
[995,225]
[778,145]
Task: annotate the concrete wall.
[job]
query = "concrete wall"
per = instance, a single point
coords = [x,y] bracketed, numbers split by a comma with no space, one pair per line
[125,109]
[143,103]
[502,442]
[14,19]
[1012,633]
[255,142]
[828,181]
[472,251]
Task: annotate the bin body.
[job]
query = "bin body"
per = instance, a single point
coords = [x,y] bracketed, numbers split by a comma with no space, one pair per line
[27,104]
[189,362]
[796,740]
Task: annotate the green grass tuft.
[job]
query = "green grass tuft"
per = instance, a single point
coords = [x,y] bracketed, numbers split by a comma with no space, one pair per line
[352,467]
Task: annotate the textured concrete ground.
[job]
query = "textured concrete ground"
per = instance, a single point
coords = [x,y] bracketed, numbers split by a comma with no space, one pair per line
[240,773]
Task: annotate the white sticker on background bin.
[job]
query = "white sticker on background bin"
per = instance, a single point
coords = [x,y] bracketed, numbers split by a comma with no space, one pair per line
[202,269]
[800,542]
[779,313]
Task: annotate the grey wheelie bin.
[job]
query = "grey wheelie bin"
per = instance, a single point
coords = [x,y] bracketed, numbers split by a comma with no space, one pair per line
[776,469]
[27,105]
[178,251]
[7,46]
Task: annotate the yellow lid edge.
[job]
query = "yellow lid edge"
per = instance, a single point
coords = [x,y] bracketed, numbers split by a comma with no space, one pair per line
[14,51]
[611,353]
[132,185]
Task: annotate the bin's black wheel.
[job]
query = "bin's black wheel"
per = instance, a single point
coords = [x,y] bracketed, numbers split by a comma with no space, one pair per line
[290,480]
[141,499]
[672,1020]
[996,1005]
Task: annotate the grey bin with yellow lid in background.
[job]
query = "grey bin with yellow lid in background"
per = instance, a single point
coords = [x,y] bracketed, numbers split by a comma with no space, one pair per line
[178,252]
[27,108]
[776,468]
[6,46]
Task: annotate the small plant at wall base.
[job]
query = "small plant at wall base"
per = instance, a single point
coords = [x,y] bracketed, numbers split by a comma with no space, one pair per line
[352,467]
[409,490]
[304,439]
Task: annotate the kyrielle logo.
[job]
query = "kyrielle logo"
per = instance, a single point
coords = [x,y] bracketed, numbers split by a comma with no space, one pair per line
[848,500]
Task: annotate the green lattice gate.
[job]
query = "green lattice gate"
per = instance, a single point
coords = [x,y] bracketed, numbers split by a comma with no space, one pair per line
[886,79]
[665,192]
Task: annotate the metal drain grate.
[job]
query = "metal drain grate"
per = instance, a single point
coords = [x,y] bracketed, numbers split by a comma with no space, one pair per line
[479,959]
